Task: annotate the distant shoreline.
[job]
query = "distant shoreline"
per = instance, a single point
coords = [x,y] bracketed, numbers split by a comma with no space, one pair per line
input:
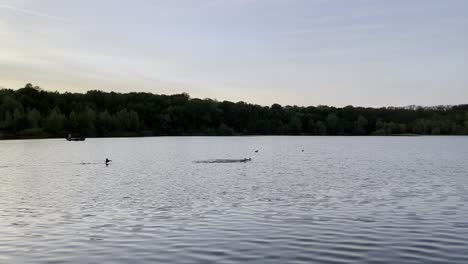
[33,113]
[179,136]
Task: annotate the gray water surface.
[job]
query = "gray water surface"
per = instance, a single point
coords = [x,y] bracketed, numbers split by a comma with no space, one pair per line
[342,200]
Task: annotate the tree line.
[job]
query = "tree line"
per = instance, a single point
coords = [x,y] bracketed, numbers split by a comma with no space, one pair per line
[32,112]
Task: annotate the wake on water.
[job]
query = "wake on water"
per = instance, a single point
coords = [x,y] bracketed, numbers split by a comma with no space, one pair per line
[222,161]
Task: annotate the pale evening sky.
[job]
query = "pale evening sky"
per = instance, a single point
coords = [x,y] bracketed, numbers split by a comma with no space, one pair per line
[304,52]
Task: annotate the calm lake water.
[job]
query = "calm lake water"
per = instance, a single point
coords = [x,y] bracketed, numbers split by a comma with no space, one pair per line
[341,200]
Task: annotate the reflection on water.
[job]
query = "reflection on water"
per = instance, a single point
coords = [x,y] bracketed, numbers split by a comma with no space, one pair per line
[341,200]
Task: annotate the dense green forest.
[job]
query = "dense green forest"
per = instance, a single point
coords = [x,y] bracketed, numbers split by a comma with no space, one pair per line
[31,112]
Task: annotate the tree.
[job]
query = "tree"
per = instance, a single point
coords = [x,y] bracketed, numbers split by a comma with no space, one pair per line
[320,128]
[134,121]
[277,127]
[332,122]
[54,122]
[32,111]
[224,130]
[390,128]
[18,120]
[104,123]
[311,127]
[86,121]
[435,131]
[361,125]
[129,120]
[379,124]
[9,103]
[8,121]
[402,128]
[420,127]
[295,126]
[34,118]
[73,121]
[379,128]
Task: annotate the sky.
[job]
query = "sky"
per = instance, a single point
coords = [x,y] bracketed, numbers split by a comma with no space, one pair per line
[292,52]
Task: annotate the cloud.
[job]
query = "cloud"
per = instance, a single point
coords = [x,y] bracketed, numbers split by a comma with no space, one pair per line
[338,29]
[31,12]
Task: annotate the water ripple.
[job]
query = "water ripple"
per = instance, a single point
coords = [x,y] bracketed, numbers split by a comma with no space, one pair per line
[347,200]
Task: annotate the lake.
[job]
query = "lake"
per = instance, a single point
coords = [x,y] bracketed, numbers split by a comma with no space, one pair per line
[341,200]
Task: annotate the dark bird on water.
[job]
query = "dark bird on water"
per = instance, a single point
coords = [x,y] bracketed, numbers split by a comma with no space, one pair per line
[256,151]
[107,161]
